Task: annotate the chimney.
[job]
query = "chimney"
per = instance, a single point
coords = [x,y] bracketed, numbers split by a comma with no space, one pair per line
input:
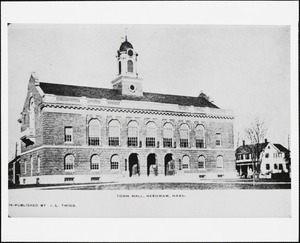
[243,143]
[266,141]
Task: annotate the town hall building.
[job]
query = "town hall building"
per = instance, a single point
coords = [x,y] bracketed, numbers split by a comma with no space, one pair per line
[74,134]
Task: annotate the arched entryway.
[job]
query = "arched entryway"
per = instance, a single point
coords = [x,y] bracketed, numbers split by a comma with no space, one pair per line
[151,164]
[169,165]
[134,167]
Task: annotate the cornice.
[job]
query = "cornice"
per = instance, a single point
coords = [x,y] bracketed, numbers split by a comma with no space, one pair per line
[134,111]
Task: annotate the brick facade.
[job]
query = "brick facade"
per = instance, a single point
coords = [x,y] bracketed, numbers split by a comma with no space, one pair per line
[59,107]
[52,148]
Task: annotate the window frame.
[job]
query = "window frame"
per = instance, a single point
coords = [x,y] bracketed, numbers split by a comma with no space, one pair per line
[151,141]
[70,135]
[114,141]
[133,141]
[113,165]
[184,142]
[95,164]
[67,164]
[199,137]
[183,163]
[94,140]
[203,168]
[168,141]
[218,162]
[218,141]
[130,66]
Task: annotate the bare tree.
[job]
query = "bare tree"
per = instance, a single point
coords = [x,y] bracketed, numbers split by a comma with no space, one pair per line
[256,134]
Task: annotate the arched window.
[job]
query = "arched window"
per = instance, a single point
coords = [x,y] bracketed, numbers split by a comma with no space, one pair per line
[184,135]
[200,136]
[133,134]
[201,162]
[31,113]
[185,162]
[38,164]
[130,66]
[114,133]
[168,135]
[150,134]
[219,161]
[95,162]
[69,162]
[114,162]
[94,132]
[120,67]
[31,165]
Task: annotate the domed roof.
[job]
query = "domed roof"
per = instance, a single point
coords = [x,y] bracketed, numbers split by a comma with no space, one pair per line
[125,46]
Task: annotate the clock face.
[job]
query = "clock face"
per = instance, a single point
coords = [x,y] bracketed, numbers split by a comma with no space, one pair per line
[130,52]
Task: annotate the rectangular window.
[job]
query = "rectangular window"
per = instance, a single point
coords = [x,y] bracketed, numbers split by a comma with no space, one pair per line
[114,165]
[113,141]
[200,164]
[275,166]
[280,167]
[69,179]
[94,141]
[242,156]
[167,142]
[150,142]
[132,141]
[95,178]
[68,134]
[218,139]
[267,166]
[267,155]
[247,156]
[199,143]
[185,166]
[184,143]
[95,166]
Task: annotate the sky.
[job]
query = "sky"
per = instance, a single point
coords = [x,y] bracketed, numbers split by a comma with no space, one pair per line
[242,68]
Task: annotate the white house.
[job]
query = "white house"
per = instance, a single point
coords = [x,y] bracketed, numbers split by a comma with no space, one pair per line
[273,159]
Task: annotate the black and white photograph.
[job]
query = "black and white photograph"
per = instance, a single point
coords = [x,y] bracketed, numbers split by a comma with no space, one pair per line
[152,119]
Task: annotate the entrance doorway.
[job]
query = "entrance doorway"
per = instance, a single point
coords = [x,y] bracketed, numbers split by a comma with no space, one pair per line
[151,164]
[169,165]
[134,168]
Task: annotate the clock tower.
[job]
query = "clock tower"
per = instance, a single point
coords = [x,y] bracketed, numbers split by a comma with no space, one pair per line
[127,80]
